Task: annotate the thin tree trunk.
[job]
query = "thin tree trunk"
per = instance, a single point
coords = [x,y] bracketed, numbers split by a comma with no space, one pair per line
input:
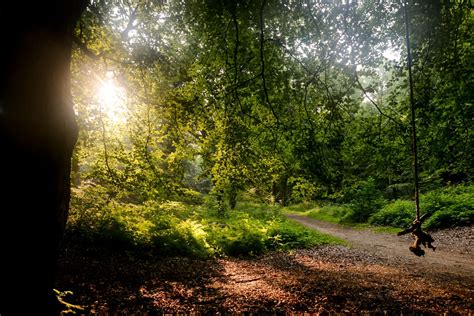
[232,196]
[37,135]
[284,191]
[220,204]
[274,192]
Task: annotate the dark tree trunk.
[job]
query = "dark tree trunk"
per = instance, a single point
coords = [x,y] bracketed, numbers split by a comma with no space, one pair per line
[274,192]
[284,191]
[232,197]
[37,135]
[220,204]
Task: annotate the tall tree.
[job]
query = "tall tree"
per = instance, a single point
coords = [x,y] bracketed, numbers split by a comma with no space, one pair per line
[37,135]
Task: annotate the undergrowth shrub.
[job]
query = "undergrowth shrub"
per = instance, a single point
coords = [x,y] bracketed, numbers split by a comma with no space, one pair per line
[449,207]
[288,235]
[178,237]
[164,228]
[365,199]
[398,213]
[239,235]
[189,196]
[176,228]
[302,190]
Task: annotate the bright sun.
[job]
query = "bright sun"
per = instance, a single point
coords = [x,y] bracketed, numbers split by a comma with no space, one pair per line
[112,100]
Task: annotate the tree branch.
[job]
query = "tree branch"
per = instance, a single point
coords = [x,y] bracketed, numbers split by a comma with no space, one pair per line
[262,61]
[130,26]
[364,91]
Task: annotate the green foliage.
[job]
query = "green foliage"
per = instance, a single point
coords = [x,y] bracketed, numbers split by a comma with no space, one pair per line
[299,208]
[399,213]
[166,228]
[451,217]
[171,236]
[365,199]
[255,228]
[449,207]
[302,190]
[331,212]
[238,110]
[176,228]
[399,190]
[190,196]
[289,235]
[239,235]
[244,100]
[452,206]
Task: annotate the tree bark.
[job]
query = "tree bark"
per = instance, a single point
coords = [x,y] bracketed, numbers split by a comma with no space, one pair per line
[274,192]
[232,196]
[37,135]
[220,204]
[284,190]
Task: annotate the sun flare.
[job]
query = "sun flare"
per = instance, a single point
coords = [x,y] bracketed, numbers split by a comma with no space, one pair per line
[111,100]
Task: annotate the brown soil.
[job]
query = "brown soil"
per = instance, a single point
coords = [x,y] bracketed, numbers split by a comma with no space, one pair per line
[377,274]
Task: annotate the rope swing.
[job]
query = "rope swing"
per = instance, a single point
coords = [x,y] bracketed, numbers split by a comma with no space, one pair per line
[421,238]
[412,108]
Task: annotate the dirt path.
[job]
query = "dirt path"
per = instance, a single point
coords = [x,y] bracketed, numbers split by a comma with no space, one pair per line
[376,275]
[453,254]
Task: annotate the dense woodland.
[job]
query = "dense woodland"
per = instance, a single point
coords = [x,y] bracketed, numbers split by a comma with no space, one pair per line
[278,102]
[203,122]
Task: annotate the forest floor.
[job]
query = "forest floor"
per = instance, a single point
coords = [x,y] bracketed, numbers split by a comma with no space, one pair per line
[376,273]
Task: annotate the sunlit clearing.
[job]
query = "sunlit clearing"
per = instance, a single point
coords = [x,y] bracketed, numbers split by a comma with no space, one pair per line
[112,101]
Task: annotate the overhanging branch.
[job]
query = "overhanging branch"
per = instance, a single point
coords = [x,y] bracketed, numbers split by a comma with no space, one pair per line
[262,62]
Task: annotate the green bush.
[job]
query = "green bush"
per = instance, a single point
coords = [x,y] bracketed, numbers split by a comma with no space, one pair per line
[88,206]
[120,225]
[190,196]
[259,211]
[175,228]
[449,207]
[302,190]
[399,213]
[164,228]
[450,218]
[172,236]
[238,236]
[287,235]
[365,199]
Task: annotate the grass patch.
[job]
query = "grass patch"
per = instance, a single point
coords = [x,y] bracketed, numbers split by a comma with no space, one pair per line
[336,214]
[329,212]
[299,208]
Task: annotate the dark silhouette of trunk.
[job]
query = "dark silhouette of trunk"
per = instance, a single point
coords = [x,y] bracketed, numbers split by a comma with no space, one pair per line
[284,191]
[274,192]
[37,135]
[220,204]
[233,197]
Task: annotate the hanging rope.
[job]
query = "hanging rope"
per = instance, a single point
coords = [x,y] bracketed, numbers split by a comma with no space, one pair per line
[421,238]
[412,107]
